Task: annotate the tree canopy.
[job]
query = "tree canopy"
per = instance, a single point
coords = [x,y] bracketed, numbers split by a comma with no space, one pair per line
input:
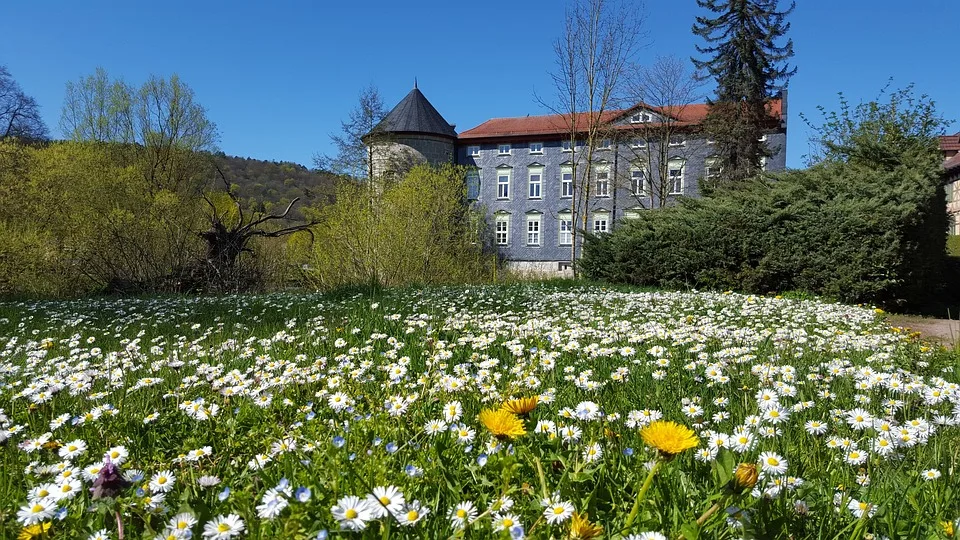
[19,113]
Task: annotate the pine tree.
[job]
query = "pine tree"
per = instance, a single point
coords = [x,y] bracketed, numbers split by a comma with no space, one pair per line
[750,68]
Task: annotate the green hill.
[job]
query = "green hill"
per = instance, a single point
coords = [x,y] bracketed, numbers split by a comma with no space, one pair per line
[275,184]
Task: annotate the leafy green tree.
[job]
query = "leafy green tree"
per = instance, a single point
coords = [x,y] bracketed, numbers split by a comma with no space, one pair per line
[744,55]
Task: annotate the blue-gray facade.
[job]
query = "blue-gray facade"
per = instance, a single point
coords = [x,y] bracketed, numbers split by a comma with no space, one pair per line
[622,162]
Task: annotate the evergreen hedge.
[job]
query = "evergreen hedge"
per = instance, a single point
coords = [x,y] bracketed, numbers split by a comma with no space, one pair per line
[846,230]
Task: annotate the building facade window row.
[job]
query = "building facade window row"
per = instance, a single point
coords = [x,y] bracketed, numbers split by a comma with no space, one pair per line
[533,224]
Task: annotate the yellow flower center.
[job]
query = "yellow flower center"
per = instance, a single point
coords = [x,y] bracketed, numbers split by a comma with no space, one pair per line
[461,513]
[412,515]
[507,522]
[384,500]
[557,510]
[223,527]
[351,514]
[37,508]
[773,462]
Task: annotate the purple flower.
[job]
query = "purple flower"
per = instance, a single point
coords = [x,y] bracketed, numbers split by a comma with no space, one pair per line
[109,482]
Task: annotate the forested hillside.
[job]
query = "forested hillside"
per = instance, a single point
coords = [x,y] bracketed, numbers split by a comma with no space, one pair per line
[274,184]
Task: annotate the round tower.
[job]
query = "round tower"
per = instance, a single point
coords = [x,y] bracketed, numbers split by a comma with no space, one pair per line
[412,133]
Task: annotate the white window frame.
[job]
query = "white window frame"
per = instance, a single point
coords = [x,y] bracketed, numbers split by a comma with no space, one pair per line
[711,163]
[470,172]
[631,214]
[500,148]
[536,148]
[642,187]
[566,146]
[605,192]
[636,118]
[605,144]
[683,142]
[673,165]
[538,173]
[601,218]
[564,184]
[501,229]
[534,230]
[503,188]
[638,142]
[565,229]
[473,151]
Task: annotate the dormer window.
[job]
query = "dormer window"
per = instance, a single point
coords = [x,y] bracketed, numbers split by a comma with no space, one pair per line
[605,144]
[641,117]
[503,149]
[566,146]
[473,151]
[536,148]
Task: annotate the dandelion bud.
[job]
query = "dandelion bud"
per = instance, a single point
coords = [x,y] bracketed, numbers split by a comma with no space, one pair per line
[745,477]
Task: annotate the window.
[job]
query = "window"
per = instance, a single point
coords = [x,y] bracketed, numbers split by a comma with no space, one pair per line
[639,180]
[711,168]
[473,184]
[502,229]
[711,140]
[566,229]
[640,117]
[638,143]
[631,214]
[604,144]
[601,222]
[603,183]
[536,148]
[503,149]
[566,146]
[677,141]
[473,151]
[763,138]
[536,181]
[675,176]
[566,182]
[503,184]
[763,163]
[533,230]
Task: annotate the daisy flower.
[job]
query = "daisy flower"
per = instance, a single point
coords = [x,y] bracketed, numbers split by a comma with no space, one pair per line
[224,527]
[773,464]
[557,511]
[162,482]
[462,514]
[411,514]
[930,474]
[352,513]
[385,500]
[37,512]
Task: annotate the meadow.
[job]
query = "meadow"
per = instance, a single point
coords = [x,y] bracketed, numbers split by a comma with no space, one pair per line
[473,412]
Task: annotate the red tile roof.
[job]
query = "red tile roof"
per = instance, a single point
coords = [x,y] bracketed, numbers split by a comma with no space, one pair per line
[557,124]
[950,142]
[952,163]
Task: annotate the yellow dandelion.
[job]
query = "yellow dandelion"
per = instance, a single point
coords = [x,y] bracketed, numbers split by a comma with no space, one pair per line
[521,406]
[669,438]
[947,528]
[34,531]
[582,529]
[502,424]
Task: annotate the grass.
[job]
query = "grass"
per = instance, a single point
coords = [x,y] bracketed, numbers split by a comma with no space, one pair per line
[302,401]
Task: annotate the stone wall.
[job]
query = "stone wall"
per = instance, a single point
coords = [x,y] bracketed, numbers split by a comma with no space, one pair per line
[404,151]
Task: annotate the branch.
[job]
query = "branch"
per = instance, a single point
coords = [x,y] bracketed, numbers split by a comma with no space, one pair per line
[270,217]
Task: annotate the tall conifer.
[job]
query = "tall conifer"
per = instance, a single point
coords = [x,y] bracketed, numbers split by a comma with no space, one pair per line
[743,55]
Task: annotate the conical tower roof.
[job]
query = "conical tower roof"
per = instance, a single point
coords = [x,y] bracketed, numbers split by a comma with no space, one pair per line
[414,114]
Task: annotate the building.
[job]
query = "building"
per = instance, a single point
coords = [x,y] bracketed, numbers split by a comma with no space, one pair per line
[950,146]
[521,169]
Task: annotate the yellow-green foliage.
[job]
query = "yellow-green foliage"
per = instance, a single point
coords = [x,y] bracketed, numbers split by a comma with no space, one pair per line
[417,230]
[81,213]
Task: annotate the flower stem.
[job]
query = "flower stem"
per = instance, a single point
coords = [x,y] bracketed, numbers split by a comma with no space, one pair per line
[543,480]
[640,495]
[119,524]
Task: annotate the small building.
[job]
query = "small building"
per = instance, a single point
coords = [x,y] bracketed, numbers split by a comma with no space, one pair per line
[521,170]
[950,146]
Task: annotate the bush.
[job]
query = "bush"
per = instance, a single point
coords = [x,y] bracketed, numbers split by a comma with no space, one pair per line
[840,230]
[415,231]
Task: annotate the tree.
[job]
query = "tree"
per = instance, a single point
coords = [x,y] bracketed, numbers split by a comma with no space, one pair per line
[749,67]
[664,91]
[354,157]
[19,113]
[599,41]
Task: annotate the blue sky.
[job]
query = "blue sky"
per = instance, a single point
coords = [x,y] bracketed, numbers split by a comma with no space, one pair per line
[277,77]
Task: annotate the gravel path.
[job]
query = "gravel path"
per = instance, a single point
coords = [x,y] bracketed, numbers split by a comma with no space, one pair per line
[944,331]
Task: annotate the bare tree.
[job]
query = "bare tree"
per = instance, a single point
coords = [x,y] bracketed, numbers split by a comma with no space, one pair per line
[19,113]
[355,146]
[231,231]
[599,42]
[659,128]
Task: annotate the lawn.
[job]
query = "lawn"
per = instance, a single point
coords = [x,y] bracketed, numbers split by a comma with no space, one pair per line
[537,410]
